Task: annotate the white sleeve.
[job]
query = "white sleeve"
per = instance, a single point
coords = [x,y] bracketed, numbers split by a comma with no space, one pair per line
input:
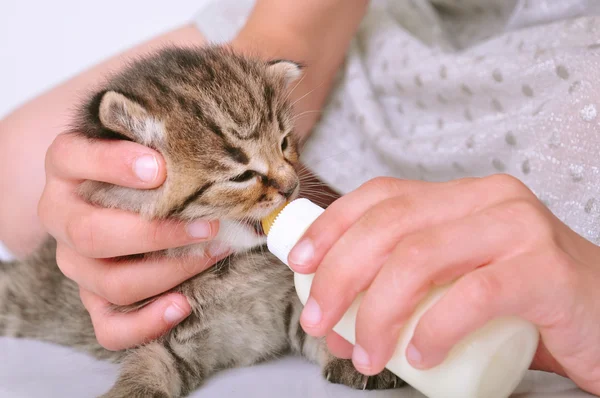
[220,20]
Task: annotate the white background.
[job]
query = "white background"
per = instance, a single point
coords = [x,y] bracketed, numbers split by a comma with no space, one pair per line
[44,42]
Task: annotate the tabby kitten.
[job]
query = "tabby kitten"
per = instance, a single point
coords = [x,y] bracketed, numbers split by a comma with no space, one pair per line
[224,126]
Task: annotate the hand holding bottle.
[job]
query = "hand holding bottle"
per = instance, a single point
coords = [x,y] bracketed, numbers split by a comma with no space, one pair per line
[397,239]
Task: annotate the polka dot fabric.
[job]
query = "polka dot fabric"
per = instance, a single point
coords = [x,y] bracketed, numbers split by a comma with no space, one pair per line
[437,90]
[518,95]
[442,89]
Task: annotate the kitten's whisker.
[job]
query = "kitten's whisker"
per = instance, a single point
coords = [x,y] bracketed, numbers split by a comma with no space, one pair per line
[307,94]
[298,116]
[308,180]
[321,194]
[296,86]
[316,162]
[320,191]
[314,188]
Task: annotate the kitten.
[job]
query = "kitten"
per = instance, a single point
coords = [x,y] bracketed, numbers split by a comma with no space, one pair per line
[224,126]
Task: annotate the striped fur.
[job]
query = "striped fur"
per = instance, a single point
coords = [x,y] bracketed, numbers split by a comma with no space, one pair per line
[223,125]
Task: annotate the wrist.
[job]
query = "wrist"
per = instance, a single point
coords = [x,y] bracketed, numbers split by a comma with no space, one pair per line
[310,91]
[314,33]
[268,43]
[309,31]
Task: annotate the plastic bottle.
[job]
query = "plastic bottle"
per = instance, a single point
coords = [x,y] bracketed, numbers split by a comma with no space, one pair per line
[489,363]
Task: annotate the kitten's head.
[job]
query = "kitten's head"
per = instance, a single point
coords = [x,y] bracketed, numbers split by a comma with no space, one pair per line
[222,123]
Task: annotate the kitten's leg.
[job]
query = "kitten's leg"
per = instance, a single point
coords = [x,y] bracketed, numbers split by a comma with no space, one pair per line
[335,370]
[155,370]
[38,302]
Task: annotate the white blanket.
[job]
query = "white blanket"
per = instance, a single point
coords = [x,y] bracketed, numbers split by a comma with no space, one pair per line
[30,369]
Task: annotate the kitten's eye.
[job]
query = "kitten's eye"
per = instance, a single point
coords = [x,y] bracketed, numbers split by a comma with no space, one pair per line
[245,176]
[284,144]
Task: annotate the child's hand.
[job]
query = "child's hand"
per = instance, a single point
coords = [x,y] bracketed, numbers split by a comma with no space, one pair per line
[395,239]
[89,236]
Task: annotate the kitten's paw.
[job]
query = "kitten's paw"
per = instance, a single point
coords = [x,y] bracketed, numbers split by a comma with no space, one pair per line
[342,371]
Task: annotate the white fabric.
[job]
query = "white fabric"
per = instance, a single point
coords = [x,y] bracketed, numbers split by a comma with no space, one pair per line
[394,113]
[33,369]
[519,97]
[442,89]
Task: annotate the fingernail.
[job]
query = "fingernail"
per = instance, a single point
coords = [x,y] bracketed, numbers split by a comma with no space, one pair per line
[146,168]
[413,355]
[174,314]
[218,249]
[311,315]
[361,358]
[199,229]
[303,253]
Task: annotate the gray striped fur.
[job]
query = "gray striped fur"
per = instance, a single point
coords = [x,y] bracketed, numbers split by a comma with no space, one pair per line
[219,120]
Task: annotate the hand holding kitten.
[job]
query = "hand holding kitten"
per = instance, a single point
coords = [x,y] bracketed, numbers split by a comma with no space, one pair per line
[88,237]
[395,239]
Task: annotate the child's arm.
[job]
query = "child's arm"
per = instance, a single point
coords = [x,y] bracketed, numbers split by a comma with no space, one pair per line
[27,132]
[314,32]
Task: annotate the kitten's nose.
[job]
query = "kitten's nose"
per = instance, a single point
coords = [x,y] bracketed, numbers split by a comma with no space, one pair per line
[289,191]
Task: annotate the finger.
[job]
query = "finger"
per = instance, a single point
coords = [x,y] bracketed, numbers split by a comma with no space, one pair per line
[127,282]
[117,331]
[472,193]
[379,229]
[105,233]
[428,258]
[339,216]
[514,287]
[339,347]
[75,157]
[476,299]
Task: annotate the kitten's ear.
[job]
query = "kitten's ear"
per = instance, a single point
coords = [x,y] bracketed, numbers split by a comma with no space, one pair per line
[125,116]
[289,70]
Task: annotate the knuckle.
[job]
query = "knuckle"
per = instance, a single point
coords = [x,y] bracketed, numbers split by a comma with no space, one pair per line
[58,149]
[397,209]
[80,233]
[505,184]
[400,205]
[114,290]
[102,332]
[381,184]
[410,262]
[480,290]
[527,217]
[534,221]
[63,263]
[155,234]
[416,250]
